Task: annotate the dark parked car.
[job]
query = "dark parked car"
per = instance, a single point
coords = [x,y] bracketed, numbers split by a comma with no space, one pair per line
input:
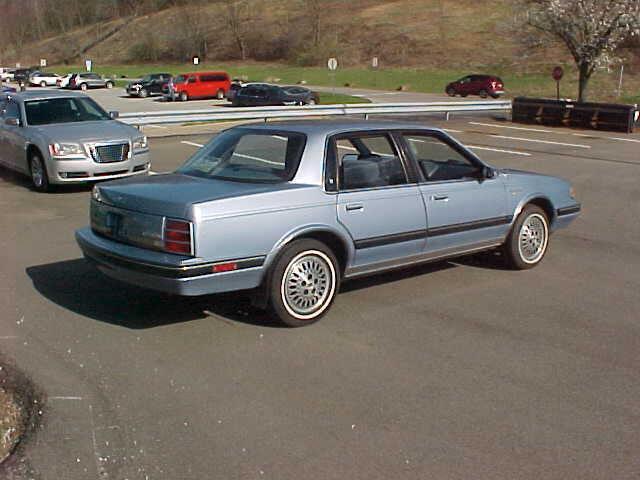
[22,75]
[262,94]
[482,85]
[149,85]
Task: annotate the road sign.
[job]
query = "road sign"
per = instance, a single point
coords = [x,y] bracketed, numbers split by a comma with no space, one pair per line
[43,62]
[18,65]
[375,62]
[88,64]
[196,60]
[332,64]
[557,73]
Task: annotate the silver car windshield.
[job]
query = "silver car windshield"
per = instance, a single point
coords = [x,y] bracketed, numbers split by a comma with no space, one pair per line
[63,110]
[245,155]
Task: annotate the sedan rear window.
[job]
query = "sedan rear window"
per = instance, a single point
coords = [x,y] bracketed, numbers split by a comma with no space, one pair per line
[63,110]
[244,155]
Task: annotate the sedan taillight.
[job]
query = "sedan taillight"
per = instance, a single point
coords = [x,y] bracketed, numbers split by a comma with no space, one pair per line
[177,237]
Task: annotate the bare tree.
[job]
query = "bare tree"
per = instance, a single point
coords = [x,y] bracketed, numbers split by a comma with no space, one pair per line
[591,29]
[238,14]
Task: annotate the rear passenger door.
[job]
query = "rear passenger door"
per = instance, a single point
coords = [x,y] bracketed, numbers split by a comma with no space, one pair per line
[379,202]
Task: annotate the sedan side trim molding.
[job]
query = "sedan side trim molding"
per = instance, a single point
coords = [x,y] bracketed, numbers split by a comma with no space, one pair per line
[463,227]
[569,210]
[390,239]
[372,269]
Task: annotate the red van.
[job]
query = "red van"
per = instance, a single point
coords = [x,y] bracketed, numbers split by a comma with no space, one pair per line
[199,85]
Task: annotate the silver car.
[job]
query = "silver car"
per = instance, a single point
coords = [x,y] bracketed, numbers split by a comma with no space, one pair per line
[59,137]
[291,209]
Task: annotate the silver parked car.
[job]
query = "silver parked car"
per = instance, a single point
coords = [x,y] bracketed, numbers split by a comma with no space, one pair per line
[292,209]
[59,137]
[86,80]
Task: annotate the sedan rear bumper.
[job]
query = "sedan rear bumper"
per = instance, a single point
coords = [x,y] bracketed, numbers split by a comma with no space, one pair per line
[135,266]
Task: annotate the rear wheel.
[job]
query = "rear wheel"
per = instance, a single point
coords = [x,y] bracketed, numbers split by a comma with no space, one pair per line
[109,84]
[143,93]
[527,243]
[38,172]
[451,92]
[482,93]
[83,86]
[304,282]
[184,97]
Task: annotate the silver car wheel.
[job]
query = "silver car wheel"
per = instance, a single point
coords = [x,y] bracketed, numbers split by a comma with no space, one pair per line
[37,171]
[533,238]
[308,284]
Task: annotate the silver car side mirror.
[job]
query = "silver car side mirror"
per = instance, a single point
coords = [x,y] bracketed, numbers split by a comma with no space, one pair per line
[14,122]
[114,114]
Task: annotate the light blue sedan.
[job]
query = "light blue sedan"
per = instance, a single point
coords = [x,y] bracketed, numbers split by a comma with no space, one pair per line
[289,210]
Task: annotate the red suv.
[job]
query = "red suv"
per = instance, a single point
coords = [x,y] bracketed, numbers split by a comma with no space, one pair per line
[483,85]
[199,85]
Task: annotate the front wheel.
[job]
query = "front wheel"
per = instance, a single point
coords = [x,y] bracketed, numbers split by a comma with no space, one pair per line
[38,172]
[43,84]
[527,243]
[451,92]
[84,86]
[143,93]
[109,84]
[184,97]
[482,93]
[220,94]
[304,282]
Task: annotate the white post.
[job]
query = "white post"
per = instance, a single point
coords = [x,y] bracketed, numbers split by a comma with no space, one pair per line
[620,82]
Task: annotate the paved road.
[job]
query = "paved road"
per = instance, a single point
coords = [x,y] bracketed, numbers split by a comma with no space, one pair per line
[454,370]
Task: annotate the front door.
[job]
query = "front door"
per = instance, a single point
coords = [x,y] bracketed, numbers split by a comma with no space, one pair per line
[12,139]
[464,208]
[379,202]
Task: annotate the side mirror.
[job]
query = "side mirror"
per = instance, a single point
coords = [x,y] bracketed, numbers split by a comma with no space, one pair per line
[114,114]
[488,172]
[13,122]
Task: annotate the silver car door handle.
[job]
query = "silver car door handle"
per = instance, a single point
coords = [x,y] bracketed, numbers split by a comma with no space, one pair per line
[354,206]
[440,197]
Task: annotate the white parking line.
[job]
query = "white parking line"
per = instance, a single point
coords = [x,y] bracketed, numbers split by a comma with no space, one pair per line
[157,126]
[576,145]
[624,139]
[193,144]
[8,337]
[263,160]
[499,150]
[511,127]
[64,398]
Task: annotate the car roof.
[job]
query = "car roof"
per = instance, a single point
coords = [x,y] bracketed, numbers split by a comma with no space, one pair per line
[332,127]
[44,94]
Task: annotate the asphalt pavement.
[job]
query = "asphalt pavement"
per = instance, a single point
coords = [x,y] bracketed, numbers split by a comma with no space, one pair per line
[454,370]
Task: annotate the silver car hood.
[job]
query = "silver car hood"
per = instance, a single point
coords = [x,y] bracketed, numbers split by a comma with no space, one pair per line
[87,132]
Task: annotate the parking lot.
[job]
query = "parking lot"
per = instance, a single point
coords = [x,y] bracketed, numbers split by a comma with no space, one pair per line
[458,369]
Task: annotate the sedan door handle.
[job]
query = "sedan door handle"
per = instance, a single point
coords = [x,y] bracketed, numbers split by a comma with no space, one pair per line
[351,207]
[440,197]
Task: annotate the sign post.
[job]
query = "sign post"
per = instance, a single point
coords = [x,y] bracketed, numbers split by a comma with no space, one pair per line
[557,75]
[375,63]
[332,64]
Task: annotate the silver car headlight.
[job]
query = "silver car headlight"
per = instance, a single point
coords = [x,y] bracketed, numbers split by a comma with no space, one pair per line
[140,143]
[66,150]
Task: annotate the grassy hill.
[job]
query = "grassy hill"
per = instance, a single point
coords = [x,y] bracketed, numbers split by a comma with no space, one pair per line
[420,44]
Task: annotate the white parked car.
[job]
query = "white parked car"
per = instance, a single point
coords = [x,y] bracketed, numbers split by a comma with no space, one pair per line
[63,82]
[6,74]
[44,79]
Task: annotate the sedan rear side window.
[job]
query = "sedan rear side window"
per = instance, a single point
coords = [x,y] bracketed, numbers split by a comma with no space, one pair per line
[438,160]
[243,155]
[368,161]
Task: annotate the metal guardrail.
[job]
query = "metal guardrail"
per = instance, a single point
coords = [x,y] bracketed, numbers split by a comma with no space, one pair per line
[266,113]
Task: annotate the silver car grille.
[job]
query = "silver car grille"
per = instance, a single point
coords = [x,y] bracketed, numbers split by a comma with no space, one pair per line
[117,152]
